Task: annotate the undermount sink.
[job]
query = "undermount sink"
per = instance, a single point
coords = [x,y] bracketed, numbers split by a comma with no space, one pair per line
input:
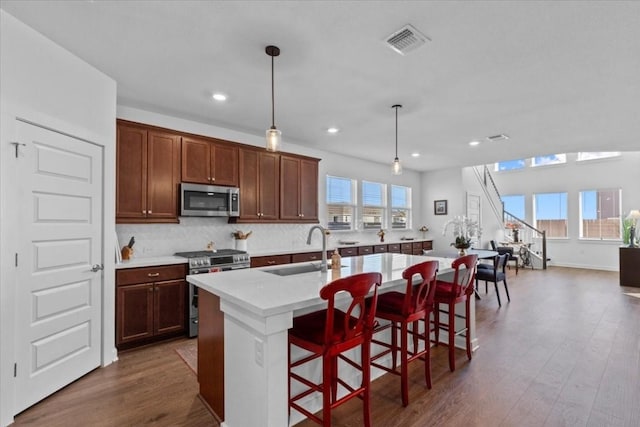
[295,269]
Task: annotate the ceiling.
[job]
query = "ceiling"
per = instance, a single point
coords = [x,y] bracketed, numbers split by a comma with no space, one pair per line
[554,76]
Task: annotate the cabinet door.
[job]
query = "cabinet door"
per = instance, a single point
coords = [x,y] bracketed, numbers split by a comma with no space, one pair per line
[248,160]
[131,173]
[224,165]
[264,261]
[378,249]
[406,248]
[298,189]
[269,185]
[134,312]
[394,247]
[309,190]
[169,308]
[290,188]
[163,176]
[196,165]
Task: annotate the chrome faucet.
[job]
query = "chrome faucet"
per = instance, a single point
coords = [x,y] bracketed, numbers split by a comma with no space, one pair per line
[324,231]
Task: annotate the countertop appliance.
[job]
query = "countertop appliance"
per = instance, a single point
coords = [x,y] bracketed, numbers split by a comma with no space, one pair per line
[209,200]
[201,262]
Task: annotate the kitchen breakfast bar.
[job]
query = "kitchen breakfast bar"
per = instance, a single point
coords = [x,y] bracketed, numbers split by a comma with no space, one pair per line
[244,319]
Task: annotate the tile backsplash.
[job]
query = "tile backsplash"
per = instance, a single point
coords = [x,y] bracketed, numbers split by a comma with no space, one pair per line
[193,234]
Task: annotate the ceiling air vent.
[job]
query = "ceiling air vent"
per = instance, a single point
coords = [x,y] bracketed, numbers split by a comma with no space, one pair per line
[406,39]
[501,137]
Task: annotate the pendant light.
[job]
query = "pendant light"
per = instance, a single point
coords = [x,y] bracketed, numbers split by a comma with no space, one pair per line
[396,167]
[274,136]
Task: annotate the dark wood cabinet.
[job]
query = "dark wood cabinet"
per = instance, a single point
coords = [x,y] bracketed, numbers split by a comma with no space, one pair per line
[150,304]
[147,175]
[265,261]
[207,162]
[365,250]
[298,189]
[307,256]
[630,266]
[406,248]
[351,251]
[379,249]
[394,247]
[259,186]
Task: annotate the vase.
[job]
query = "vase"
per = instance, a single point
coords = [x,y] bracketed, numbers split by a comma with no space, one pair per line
[462,251]
[516,237]
[241,244]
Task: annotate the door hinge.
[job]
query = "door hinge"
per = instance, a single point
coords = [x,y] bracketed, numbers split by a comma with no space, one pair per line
[17,145]
[16,259]
[15,370]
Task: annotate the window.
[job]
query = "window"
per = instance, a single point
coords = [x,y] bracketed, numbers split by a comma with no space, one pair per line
[510,165]
[514,204]
[374,205]
[400,207]
[552,159]
[340,203]
[551,214]
[597,155]
[600,214]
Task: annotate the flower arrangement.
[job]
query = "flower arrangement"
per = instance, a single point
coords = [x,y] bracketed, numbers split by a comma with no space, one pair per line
[381,234]
[513,225]
[423,229]
[239,235]
[464,229]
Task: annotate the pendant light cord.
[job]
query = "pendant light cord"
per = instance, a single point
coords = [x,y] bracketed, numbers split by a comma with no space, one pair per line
[396,106]
[273,102]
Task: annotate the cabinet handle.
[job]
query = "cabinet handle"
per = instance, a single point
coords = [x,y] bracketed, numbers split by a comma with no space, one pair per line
[213,179]
[302,215]
[271,262]
[144,212]
[313,257]
[150,289]
[149,212]
[153,274]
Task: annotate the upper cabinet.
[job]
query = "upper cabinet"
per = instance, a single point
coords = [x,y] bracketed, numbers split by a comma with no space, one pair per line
[151,162]
[259,183]
[298,189]
[209,162]
[147,175]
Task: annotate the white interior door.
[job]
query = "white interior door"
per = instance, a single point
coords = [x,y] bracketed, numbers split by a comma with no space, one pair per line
[474,214]
[58,307]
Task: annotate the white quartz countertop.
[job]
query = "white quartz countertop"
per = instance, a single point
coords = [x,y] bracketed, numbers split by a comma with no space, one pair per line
[267,294]
[151,261]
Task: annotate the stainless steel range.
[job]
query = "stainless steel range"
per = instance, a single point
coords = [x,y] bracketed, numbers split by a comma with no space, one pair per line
[201,262]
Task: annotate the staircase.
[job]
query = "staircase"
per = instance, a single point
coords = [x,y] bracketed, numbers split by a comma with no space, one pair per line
[533,252]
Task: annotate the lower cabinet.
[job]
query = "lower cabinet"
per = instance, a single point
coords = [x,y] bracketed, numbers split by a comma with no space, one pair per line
[265,261]
[150,304]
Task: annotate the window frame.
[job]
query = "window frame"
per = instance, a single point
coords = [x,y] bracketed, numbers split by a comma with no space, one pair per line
[352,204]
[407,208]
[383,207]
[566,213]
[618,208]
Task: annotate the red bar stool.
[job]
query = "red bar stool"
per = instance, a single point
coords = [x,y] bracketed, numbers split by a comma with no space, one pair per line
[415,304]
[452,293]
[329,333]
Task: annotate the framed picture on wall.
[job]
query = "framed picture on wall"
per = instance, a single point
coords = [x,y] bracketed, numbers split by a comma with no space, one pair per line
[439,207]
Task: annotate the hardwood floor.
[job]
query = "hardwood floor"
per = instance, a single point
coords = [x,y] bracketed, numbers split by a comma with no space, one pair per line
[564,351]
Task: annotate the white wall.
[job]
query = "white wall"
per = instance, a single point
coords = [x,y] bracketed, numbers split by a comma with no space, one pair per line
[195,233]
[43,83]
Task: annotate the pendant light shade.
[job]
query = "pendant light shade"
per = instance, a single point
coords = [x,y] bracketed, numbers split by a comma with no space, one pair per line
[396,167]
[274,136]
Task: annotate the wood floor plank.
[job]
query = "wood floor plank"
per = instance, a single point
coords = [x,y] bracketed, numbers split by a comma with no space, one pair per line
[564,351]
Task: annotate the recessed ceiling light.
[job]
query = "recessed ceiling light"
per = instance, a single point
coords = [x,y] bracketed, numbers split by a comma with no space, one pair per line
[219,96]
[415,154]
[333,130]
[474,143]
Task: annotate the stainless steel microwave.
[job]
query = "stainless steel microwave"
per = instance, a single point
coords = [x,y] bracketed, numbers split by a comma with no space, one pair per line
[209,200]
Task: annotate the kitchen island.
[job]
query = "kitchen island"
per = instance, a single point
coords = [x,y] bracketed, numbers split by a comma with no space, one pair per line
[244,319]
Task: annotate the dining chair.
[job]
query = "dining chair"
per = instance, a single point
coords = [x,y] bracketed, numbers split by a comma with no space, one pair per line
[506,250]
[494,273]
[404,309]
[327,334]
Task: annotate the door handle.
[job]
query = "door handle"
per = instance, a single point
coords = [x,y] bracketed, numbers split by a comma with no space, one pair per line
[97,267]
